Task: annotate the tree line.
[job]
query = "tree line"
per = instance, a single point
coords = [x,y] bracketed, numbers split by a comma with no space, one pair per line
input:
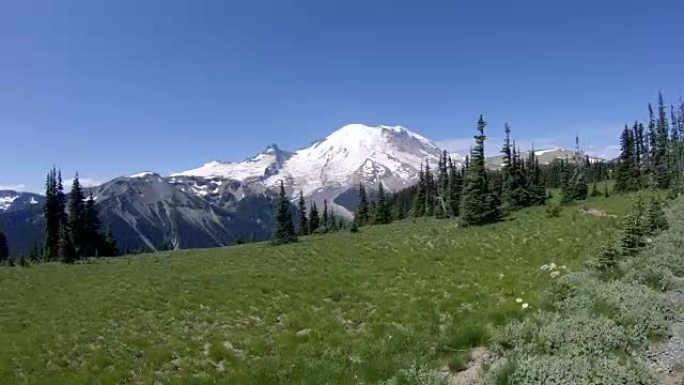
[72,225]
[286,231]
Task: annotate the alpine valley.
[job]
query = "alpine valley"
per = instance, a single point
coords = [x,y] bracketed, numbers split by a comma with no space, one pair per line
[222,203]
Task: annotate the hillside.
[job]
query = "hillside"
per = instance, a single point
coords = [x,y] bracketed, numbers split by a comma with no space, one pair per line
[339,309]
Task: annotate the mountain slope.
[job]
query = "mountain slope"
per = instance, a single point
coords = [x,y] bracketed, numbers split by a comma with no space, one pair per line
[326,169]
[221,202]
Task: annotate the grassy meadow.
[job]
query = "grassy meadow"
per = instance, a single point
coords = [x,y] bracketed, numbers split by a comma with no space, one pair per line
[341,308]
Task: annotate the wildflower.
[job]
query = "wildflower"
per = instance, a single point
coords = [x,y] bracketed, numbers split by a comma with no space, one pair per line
[555,274]
[518,300]
[525,305]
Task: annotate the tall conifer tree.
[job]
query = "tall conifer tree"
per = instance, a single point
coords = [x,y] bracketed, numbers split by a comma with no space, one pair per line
[478,205]
[284,227]
[362,217]
[303,220]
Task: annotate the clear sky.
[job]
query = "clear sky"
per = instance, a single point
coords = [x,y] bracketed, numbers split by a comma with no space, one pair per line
[116,87]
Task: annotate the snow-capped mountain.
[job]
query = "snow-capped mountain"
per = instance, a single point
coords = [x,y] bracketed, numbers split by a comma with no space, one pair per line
[261,165]
[221,202]
[14,200]
[545,156]
[355,153]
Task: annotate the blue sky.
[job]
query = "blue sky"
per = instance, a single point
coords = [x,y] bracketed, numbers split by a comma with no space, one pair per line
[112,88]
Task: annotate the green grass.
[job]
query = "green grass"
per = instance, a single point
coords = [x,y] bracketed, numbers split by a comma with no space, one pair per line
[333,309]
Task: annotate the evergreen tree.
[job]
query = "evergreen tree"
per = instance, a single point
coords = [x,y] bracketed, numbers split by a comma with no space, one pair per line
[662,175]
[429,191]
[314,218]
[419,204]
[634,228]
[284,228]
[94,240]
[77,218]
[605,190]
[535,182]
[626,170]
[566,186]
[478,204]
[67,253]
[52,217]
[303,220]
[443,176]
[362,216]
[507,183]
[382,215]
[455,186]
[326,218]
[4,249]
[594,190]
[65,244]
[656,220]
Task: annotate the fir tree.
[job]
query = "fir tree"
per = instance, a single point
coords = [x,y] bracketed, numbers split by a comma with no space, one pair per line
[478,204]
[303,220]
[429,191]
[382,214]
[455,186]
[284,228]
[535,182]
[419,204]
[662,175]
[94,241]
[605,190]
[362,216]
[326,218]
[634,228]
[626,178]
[65,244]
[507,195]
[4,249]
[67,253]
[656,220]
[77,218]
[314,218]
[52,217]
[566,186]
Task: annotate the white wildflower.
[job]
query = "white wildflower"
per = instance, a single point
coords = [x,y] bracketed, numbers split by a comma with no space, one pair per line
[555,274]
[525,305]
[518,300]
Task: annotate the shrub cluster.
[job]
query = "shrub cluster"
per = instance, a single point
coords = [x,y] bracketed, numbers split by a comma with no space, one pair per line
[595,323]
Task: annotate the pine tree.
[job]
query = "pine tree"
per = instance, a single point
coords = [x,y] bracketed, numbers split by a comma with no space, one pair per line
[634,228]
[52,217]
[656,220]
[94,240]
[662,175]
[478,204]
[382,214]
[566,185]
[4,249]
[303,220]
[326,218]
[77,218]
[455,186]
[419,204]
[535,182]
[507,183]
[67,253]
[65,244]
[627,173]
[605,190]
[429,191]
[284,228]
[314,218]
[362,216]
